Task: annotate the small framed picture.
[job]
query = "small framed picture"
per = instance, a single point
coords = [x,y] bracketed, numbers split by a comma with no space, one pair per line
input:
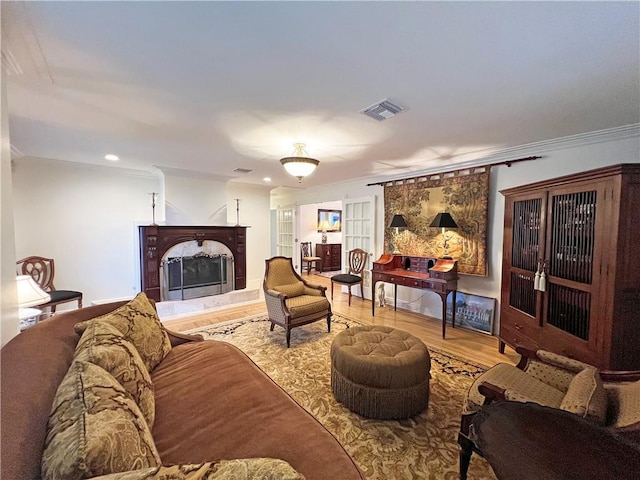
[472,311]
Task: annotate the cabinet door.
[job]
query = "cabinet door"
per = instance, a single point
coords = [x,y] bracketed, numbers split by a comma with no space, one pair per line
[520,318]
[573,255]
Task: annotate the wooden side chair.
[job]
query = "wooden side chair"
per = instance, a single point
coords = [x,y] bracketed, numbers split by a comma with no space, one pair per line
[357,260]
[42,270]
[307,257]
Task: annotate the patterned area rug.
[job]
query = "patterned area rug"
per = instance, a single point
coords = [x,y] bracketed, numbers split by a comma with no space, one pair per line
[423,447]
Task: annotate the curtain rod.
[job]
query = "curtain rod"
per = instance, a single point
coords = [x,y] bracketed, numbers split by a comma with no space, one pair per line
[508,163]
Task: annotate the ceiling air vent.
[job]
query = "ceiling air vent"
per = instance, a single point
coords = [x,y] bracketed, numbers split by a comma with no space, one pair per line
[382,110]
[242,170]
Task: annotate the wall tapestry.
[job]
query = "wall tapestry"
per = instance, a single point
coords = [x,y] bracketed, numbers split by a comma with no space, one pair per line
[464,194]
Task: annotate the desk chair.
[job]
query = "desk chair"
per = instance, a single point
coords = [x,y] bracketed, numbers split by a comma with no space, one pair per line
[357,260]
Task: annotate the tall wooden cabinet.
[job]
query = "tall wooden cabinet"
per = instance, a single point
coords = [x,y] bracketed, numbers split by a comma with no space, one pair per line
[331,255]
[581,234]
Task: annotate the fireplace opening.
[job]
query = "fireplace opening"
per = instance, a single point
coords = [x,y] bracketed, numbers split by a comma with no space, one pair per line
[197,271]
[192,271]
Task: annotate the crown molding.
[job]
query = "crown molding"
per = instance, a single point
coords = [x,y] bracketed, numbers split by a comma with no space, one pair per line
[536,148]
[99,169]
[180,172]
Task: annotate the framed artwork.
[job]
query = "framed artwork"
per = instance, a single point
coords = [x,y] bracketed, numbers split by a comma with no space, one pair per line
[329,220]
[472,311]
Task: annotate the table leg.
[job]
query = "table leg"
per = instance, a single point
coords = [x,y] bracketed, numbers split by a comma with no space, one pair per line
[444,314]
[395,296]
[373,298]
[453,309]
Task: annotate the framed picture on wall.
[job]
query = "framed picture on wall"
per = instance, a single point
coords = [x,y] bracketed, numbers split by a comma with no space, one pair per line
[472,311]
[329,220]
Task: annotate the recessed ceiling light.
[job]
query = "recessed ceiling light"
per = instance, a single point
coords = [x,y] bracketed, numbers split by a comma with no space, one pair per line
[266,179]
[112,157]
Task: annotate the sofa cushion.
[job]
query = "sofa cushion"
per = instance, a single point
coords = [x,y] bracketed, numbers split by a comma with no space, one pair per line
[239,469]
[586,396]
[95,428]
[211,382]
[105,346]
[139,323]
[291,289]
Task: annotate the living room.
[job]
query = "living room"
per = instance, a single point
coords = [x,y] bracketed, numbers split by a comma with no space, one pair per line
[480,84]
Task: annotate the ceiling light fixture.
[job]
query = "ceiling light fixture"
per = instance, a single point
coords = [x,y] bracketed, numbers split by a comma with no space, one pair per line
[299,165]
[111,157]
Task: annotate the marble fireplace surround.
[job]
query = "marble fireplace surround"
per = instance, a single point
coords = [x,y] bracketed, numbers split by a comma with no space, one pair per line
[156,240]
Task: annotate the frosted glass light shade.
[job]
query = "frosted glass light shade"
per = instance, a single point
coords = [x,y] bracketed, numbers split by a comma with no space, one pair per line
[29,292]
[299,166]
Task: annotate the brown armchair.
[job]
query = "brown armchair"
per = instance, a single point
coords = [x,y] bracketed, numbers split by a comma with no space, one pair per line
[292,301]
[42,270]
[607,398]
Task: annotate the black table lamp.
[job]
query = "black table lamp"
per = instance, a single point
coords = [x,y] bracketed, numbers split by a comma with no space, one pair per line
[397,222]
[444,220]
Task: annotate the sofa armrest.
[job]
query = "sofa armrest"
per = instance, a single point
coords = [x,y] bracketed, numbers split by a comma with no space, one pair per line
[177,338]
[313,289]
[492,393]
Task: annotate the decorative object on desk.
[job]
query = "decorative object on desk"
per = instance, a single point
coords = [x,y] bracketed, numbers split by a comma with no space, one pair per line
[329,220]
[464,194]
[397,222]
[299,165]
[473,312]
[153,207]
[444,220]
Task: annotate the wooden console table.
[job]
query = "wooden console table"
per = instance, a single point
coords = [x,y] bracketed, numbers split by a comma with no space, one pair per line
[435,274]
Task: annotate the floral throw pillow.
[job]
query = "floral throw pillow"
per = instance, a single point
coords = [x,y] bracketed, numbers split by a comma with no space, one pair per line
[139,323]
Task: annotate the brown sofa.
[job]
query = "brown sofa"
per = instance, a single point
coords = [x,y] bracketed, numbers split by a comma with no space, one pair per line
[212,403]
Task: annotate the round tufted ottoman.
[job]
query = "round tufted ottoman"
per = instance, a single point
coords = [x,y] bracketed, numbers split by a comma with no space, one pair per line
[380,372]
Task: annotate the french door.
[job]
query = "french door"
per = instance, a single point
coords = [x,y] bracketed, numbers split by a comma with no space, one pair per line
[358,231]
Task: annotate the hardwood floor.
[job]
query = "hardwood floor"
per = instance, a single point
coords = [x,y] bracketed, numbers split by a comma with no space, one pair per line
[473,346]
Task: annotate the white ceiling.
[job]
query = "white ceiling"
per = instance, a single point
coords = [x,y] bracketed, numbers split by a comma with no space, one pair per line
[213,86]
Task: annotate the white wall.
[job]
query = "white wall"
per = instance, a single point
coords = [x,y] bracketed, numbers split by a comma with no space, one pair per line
[254,213]
[192,200]
[9,326]
[560,157]
[85,217]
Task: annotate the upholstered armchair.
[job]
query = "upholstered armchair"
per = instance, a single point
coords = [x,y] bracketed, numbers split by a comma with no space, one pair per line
[291,301]
[607,398]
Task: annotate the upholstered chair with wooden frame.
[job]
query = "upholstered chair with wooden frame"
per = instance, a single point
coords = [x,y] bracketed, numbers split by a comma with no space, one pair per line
[291,300]
[608,398]
[307,257]
[43,270]
[357,261]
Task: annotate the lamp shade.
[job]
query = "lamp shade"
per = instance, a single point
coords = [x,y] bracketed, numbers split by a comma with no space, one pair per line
[29,292]
[398,221]
[444,220]
[299,165]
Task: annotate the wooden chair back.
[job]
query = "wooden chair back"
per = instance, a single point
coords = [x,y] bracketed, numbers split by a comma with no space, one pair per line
[41,269]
